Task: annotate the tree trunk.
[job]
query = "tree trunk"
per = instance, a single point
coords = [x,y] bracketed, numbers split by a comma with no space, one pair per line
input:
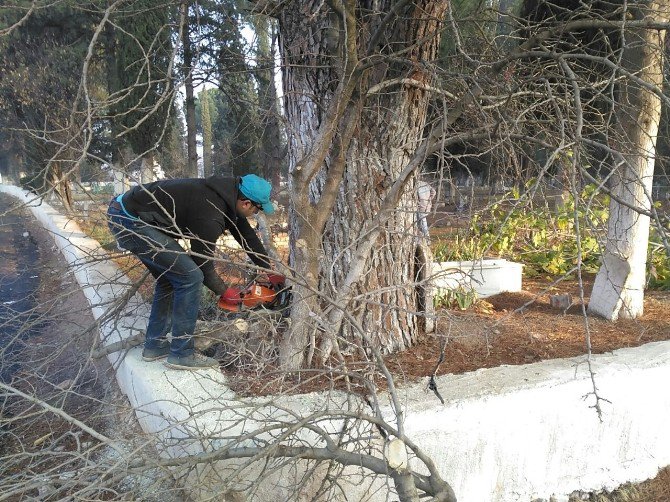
[189,103]
[147,173]
[113,84]
[207,167]
[61,185]
[404,484]
[353,132]
[618,290]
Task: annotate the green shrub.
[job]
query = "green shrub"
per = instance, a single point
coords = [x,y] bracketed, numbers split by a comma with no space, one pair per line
[658,263]
[545,240]
[541,238]
[461,298]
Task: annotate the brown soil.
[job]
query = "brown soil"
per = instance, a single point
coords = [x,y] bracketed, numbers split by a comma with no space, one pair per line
[509,328]
[652,490]
[520,328]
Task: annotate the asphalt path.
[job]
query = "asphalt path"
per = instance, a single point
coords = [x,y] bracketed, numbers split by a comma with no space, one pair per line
[20,257]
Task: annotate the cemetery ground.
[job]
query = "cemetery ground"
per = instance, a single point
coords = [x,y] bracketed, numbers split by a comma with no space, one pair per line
[509,328]
[47,331]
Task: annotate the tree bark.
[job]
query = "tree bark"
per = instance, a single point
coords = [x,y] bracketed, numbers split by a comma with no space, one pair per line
[404,484]
[348,146]
[114,84]
[61,185]
[206,119]
[618,291]
[147,173]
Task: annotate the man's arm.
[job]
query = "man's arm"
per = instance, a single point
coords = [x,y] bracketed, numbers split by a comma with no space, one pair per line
[211,279]
[247,238]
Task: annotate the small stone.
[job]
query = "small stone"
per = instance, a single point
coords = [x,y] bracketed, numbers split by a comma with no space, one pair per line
[562,301]
[45,490]
[65,384]
[241,325]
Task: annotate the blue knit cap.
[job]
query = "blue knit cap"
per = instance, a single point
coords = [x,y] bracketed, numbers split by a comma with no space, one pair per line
[257,190]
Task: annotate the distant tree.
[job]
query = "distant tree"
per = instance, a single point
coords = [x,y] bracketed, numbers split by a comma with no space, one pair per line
[618,290]
[234,129]
[42,57]
[272,150]
[172,154]
[188,69]
[144,59]
[615,74]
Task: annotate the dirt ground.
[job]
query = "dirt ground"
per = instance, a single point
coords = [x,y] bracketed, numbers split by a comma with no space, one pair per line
[43,456]
[520,328]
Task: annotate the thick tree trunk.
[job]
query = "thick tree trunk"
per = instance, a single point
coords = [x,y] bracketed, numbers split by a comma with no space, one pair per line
[352,134]
[113,83]
[618,290]
[147,172]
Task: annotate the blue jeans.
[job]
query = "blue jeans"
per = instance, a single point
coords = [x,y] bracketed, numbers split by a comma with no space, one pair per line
[178,281]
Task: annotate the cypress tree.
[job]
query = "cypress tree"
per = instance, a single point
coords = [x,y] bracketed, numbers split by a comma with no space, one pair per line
[143,58]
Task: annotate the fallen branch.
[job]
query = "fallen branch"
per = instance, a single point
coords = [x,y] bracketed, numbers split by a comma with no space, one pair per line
[125,344]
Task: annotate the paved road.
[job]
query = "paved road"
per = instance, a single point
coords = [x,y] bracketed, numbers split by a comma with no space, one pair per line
[19,282]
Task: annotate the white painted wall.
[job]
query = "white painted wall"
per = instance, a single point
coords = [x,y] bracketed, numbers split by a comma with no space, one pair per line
[486,277]
[512,433]
[524,432]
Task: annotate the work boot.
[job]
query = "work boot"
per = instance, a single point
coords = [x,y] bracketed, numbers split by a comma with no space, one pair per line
[195,361]
[157,353]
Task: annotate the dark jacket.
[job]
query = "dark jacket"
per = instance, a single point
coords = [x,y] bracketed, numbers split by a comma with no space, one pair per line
[200,210]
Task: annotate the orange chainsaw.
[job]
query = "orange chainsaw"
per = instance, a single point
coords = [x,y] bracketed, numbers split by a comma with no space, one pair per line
[270,294]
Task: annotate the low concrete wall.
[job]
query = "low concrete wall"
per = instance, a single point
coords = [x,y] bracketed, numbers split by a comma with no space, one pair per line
[512,433]
[486,277]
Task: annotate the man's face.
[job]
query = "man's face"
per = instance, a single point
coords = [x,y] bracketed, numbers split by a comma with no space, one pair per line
[247,208]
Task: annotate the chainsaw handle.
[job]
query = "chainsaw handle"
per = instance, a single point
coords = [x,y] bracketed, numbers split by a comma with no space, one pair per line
[229,299]
[272,280]
[276,279]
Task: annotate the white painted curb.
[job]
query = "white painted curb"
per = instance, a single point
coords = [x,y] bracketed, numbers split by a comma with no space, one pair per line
[513,433]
